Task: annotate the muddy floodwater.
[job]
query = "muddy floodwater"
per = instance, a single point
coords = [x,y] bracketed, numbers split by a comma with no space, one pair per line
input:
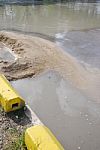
[73,118]
[72,115]
[84,45]
[73,26]
[50,19]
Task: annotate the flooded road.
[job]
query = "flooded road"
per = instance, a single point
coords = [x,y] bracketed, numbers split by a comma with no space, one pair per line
[62,23]
[75,27]
[73,118]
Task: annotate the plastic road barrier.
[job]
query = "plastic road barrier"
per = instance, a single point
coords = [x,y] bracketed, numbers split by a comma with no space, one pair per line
[9,99]
[39,137]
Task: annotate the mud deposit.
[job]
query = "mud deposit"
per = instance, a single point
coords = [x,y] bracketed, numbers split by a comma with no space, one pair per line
[67,101]
[73,117]
[35,55]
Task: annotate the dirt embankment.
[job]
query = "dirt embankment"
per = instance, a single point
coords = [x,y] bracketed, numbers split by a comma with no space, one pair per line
[36,55]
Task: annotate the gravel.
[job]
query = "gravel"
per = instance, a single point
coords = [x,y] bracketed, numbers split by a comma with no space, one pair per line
[11,127]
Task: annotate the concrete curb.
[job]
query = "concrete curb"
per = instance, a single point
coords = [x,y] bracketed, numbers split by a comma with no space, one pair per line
[32,116]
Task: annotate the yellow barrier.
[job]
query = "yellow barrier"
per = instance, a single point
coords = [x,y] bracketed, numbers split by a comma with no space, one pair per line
[9,99]
[40,137]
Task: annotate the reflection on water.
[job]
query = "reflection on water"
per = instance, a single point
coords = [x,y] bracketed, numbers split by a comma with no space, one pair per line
[50,19]
[73,118]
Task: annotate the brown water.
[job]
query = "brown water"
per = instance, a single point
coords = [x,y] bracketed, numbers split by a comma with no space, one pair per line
[72,117]
[69,25]
[50,19]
